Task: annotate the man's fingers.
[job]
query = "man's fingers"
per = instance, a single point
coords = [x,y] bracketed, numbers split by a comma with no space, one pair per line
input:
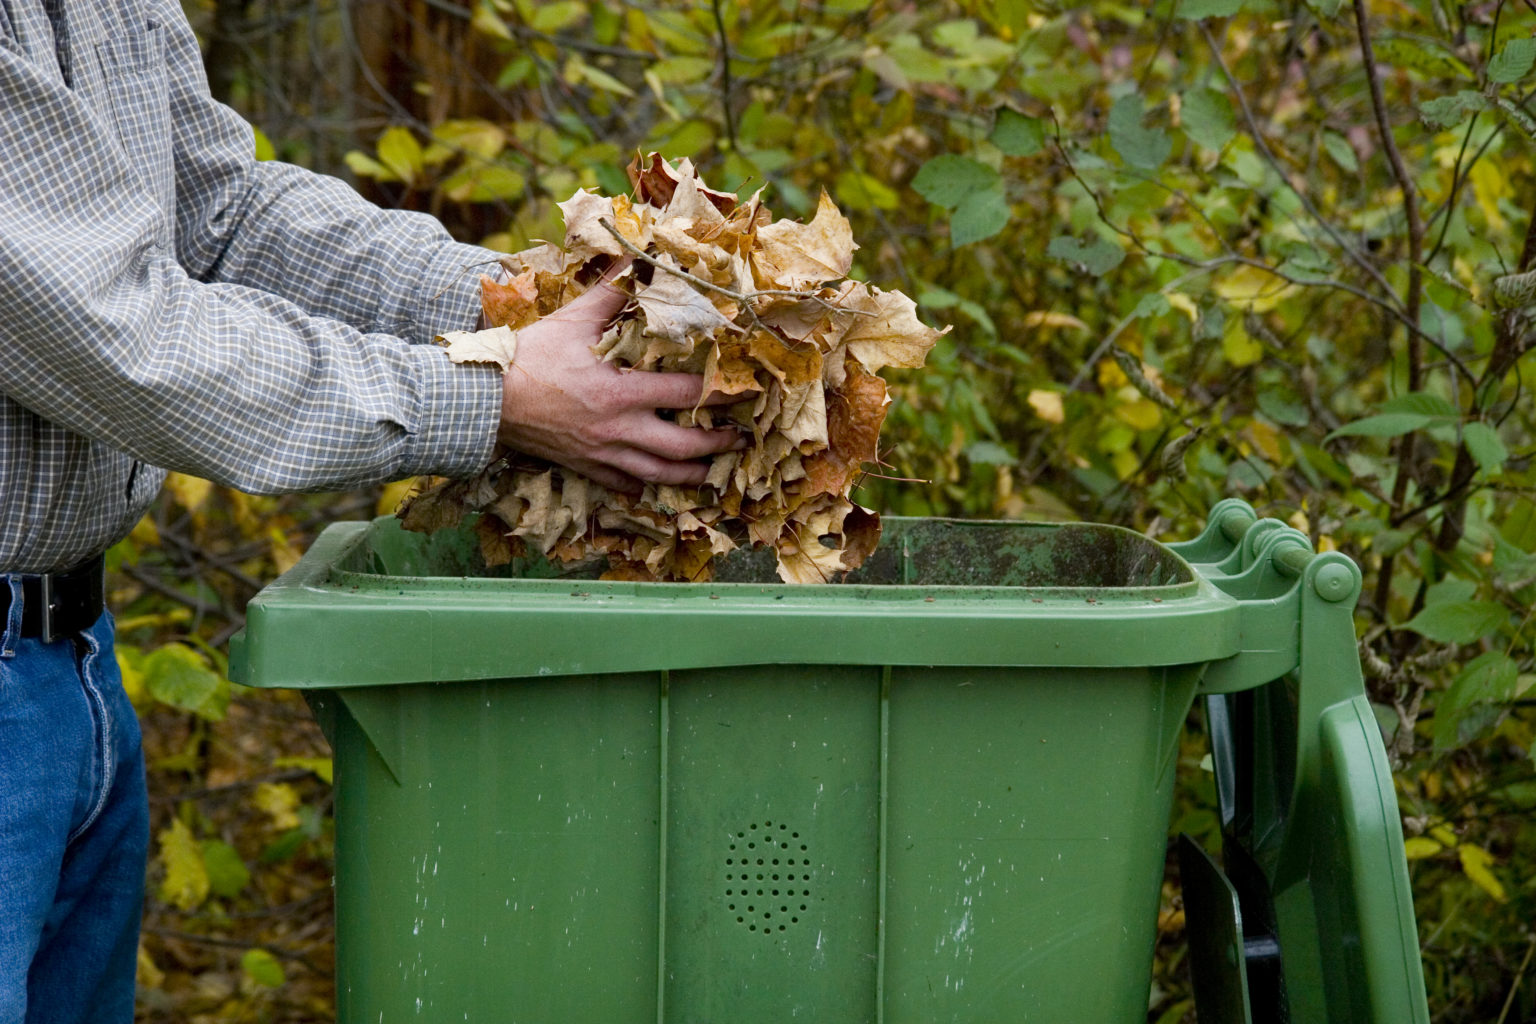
[674,391]
[670,441]
[657,470]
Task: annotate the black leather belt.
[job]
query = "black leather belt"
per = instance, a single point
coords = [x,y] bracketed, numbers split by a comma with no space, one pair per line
[59,604]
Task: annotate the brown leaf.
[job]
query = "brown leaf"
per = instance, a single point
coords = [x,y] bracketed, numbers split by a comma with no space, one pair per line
[730,371]
[514,304]
[585,236]
[677,312]
[795,256]
[890,334]
[497,345]
[855,413]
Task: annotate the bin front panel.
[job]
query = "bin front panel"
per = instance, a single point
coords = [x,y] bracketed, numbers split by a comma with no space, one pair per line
[1028,810]
[510,875]
[773,785]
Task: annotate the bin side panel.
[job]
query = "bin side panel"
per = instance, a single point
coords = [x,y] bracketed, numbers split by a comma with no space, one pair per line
[772,873]
[1027,823]
[511,875]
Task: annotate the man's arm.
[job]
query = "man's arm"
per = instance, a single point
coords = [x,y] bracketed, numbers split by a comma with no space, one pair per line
[106,334]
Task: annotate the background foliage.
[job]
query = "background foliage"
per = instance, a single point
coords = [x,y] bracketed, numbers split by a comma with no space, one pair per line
[1280,249]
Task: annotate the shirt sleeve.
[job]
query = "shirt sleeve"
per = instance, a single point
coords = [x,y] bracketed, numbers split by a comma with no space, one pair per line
[265,343]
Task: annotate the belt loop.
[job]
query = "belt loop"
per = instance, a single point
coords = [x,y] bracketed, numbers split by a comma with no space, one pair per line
[12,631]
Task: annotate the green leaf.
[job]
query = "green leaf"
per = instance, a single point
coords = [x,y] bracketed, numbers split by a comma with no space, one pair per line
[989,453]
[472,136]
[1151,306]
[262,968]
[1450,111]
[1207,118]
[1458,622]
[175,674]
[1513,62]
[683,70]
[1341,151]
[227,873]
[264,150]
[554,17]
[1283,410]
[401,153]
[950,179]
[1137,144]
[365,166]
[1384,425]
[980,215]
[483,184]
[1429,56]
[1424,404]
[857,190]
[1489,679]
[1483,443]
[596,77]
[1196,9]
[1017,134]
[1098,257]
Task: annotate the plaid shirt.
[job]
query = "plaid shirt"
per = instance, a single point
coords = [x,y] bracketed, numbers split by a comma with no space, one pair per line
[168,301]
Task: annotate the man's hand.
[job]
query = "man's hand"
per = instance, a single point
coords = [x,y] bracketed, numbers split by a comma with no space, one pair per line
[559,402]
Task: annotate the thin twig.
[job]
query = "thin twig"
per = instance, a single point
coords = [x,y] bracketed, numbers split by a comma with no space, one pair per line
[1275,165]
[1515,985]
[725,76]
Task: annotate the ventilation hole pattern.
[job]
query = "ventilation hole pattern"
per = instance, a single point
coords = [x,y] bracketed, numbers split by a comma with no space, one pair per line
[767,877]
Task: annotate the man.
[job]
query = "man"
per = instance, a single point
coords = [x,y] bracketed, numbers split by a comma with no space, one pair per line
[166,302]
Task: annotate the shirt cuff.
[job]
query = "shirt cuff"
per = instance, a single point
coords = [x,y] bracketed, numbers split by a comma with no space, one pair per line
[450,284]
[458,413]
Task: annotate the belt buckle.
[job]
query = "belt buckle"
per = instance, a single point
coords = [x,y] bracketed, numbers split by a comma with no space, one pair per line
[45,613]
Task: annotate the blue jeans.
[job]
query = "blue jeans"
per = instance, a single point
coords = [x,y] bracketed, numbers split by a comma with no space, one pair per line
[74,828]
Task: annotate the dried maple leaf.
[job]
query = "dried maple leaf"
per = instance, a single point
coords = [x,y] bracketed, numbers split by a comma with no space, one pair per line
[493,345]
[513,304]
[794,256]
[676,311]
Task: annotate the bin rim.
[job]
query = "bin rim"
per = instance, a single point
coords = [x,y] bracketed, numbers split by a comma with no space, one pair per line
[321,627]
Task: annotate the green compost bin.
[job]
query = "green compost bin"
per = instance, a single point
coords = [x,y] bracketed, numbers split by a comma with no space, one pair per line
[937,791]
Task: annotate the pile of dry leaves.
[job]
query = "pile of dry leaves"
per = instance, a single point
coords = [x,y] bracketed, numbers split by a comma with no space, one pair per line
[761,308]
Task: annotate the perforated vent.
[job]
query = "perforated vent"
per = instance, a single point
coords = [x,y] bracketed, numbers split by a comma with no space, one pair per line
[768,877]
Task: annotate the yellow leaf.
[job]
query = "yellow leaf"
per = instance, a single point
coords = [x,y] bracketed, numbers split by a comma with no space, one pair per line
[133,679]
[1236,344]
[1475,862]
[486,20]
[392,494]
[186,876]
[1419,847]
[1443,834]
[145,534]
[1142,414]
[190,492]
[1184,304]
[1266,439]
[1047,405]
[1050,318]
[285,553]
[148,974]
[1253,288]
[1489,186]
[320,766]
[278,801]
